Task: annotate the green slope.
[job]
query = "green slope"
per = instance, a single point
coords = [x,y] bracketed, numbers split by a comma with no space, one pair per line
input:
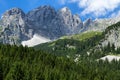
[71,45]
[82,36]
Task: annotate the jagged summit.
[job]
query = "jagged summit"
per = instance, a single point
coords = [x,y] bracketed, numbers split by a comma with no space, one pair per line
[14,11]
[88,22]
[65,9]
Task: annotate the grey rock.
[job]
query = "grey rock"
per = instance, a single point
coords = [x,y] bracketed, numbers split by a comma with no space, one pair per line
[100,24]
[14,28]
[44,21]
[112,37]
[72,23]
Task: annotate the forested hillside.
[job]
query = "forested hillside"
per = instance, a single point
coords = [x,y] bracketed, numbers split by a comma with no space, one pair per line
[22,63]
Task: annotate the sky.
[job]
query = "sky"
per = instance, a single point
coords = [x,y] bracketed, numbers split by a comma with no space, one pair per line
[85,8]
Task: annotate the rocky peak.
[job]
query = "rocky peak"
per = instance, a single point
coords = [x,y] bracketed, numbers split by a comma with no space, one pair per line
[13,16]
[65,10]
[14,11]
[71,22]
[42,13]
[44,21]
[76,19]
[68,18]
[65,13]
[14,28]
[87,22]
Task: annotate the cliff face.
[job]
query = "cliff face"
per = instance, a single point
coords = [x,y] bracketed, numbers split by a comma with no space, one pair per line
[72,23]
[53,24]
[112,36]
[13,27]
[45,21]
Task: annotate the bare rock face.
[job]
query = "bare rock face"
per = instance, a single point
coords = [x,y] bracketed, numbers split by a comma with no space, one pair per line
[44,21]
[112,37]
[72,23]
[86,25]
[100,24]
[47,22]
[13,27]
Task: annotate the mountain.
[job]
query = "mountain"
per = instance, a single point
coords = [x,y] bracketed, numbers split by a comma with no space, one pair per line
[99,24]
[112,36]
[45,22]
[16,26]
[48,23]
[53,24]
[72,23]
[13,27]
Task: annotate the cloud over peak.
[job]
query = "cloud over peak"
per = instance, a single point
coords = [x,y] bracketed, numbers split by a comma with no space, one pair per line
[96,7]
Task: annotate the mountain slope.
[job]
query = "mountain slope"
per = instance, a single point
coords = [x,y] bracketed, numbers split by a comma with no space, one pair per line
[112,35]
[72,45]
[99,24]
[82,36]
[94,44]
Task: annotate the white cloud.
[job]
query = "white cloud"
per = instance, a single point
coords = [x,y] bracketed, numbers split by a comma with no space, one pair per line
[97,7]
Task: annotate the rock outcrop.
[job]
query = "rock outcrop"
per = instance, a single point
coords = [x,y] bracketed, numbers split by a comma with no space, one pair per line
[13,27]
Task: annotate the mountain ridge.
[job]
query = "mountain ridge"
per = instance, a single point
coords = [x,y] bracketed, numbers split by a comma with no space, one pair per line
[46,22]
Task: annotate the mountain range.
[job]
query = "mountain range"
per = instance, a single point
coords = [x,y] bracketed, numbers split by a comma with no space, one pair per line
[44,21]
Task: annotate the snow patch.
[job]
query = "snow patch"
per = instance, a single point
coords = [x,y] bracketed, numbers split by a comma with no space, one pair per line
[111,57]
[37,39]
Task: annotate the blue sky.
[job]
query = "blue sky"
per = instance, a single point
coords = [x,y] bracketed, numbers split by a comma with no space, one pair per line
[85,8]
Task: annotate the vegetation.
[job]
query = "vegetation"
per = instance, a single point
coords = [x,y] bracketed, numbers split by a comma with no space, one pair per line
[112,27]
[23,63]
[83,36]
[72,45]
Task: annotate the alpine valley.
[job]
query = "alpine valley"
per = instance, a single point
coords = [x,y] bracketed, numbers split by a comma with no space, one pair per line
[49,44]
